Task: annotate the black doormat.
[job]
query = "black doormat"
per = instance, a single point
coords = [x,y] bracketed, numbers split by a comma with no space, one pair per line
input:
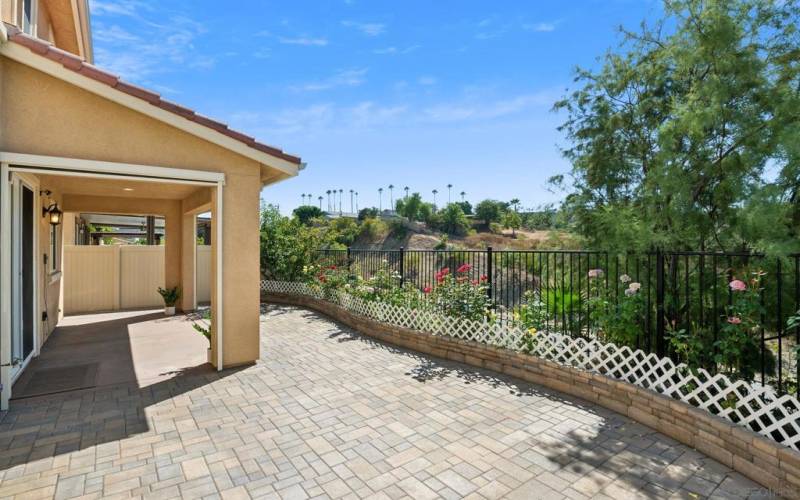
[58,379]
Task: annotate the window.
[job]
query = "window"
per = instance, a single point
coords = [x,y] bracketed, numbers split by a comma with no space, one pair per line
[28,21]
[53,249]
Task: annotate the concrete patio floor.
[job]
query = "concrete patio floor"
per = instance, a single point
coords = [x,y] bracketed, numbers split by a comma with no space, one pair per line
[328,413]
[142,347]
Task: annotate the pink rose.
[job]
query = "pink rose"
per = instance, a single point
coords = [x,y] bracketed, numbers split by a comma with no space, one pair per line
[427,290]
[735,320]
[738,285]
[464,268]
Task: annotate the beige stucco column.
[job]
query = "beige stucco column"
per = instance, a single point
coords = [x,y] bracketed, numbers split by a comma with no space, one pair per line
[188,261]
[198,202]
[240,265]
[173,233]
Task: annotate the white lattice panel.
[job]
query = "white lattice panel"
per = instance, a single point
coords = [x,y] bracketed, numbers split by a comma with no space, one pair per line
[749,404]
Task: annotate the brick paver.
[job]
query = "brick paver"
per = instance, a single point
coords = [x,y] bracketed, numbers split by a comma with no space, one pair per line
[328,413]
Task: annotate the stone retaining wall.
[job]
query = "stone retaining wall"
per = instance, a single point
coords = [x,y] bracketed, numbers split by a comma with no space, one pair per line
[762,460]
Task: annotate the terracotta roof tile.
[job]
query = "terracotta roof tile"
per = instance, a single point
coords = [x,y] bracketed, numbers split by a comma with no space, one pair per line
[137,91]
[76,64]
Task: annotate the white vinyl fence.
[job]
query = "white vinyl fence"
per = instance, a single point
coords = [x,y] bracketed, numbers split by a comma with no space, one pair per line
[203,280]
[116,277]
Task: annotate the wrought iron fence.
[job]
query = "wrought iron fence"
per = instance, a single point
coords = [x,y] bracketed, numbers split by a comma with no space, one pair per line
[685,296]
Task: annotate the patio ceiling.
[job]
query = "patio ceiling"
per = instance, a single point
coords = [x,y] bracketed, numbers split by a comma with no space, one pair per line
[117,187]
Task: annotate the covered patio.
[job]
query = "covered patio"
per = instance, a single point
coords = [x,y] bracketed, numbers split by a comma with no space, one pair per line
[80,140]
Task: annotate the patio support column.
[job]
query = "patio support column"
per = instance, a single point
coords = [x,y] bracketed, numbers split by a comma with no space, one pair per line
[173,230]
[238,240]
[189,262]
[215,302]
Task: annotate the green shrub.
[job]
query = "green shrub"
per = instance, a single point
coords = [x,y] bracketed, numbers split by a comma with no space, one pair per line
[454,221]
[367,213]
[287,246]
[372,229]
[171,296]
[306,213]
[344,230]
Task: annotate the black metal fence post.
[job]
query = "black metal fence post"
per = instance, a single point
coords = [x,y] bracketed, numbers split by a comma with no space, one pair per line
[349,261]
[489,272]
[660,318]
[402,266]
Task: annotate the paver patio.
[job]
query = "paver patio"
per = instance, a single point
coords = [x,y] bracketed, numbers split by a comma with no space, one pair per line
[330,413]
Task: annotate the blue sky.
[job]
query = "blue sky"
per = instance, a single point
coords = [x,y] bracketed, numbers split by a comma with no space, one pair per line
[374,92]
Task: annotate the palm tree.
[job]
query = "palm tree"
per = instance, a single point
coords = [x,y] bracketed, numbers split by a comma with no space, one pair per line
[514,202]
[341,192]
[320,202]
[435,192]
[391,197]
[304,198]
[449,187]
[351,201]
[380,199]
[328,192]
[356,201]
[406,190]
[463,194]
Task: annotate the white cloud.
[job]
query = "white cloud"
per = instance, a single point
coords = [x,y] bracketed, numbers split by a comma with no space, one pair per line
[488,29]
[328,117]
[396,50]
[319,118]
[152,47]
[343,78]
[486,110]
[427,80]
[540,27]
[117,7]
[303,40]
[369,29]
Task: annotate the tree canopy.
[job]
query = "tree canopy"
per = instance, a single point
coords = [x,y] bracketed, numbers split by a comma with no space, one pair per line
[490,211]
[688,136]
[306,213]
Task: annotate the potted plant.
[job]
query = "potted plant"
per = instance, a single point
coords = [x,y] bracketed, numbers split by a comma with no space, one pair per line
[171,297]
[204,328]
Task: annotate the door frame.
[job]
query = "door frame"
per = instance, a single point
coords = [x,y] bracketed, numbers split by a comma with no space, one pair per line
[10,225]
[18,181]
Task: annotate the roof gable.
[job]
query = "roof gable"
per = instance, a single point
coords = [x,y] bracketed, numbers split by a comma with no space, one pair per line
[261,152]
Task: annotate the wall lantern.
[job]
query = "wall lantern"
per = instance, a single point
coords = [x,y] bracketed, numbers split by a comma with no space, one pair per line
[54,213]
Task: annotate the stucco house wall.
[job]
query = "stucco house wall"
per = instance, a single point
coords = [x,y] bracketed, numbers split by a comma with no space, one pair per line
[43,115]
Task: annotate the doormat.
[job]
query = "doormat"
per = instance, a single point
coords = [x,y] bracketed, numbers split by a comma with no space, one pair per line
[53,380]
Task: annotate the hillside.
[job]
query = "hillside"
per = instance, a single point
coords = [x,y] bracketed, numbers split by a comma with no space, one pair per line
[414,236]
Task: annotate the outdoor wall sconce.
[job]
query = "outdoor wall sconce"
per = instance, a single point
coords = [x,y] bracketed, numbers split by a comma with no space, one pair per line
[52,211]
[55,214]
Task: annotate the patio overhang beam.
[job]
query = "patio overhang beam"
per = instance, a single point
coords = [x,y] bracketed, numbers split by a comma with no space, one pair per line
[76,167]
